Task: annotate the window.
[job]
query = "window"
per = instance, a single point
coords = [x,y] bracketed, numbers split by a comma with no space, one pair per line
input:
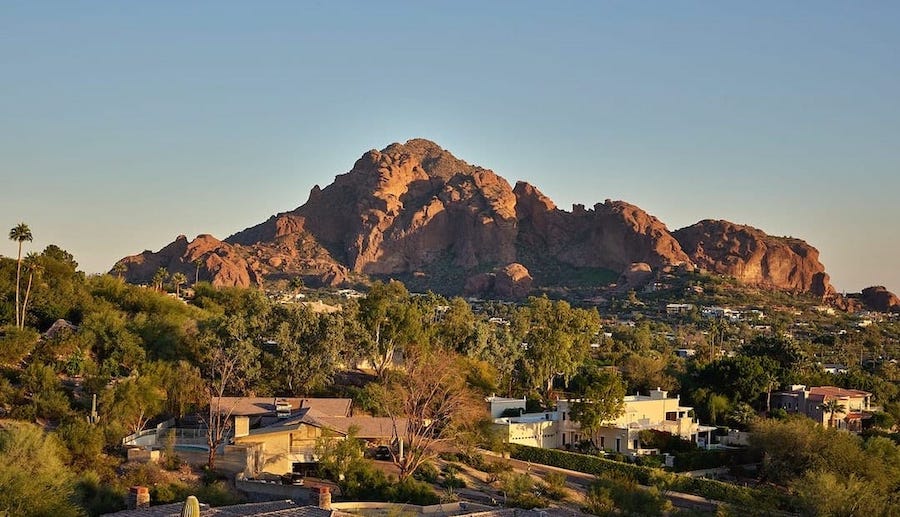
[635,445]
[671,416]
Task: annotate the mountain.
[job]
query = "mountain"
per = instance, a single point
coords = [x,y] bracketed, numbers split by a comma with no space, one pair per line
[754,258]
[415,212]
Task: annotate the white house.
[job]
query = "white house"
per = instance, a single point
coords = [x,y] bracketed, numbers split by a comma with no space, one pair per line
[555,429]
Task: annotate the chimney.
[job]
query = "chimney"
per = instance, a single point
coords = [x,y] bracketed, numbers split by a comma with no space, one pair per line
[138,497]
[324,497]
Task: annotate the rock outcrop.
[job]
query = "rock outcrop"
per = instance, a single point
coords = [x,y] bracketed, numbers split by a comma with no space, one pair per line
[413,211]
[205,257]
[878,298]
[636,276]
[755,258]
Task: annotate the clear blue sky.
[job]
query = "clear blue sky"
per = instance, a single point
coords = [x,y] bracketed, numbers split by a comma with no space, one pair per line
[123,124]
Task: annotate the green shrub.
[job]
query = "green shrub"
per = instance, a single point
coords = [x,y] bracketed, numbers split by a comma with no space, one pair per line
[411,491]
[554,486]
[427,472]
[711,489]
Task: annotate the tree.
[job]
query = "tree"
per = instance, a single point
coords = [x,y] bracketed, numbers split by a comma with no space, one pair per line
[178,280]
[33,263]
[308,347]
[392,322]
[159,278]
[833,406]
[825,493]
[338,456]
[229,369]
[197,263]
[132,402]
[33,479]
[558,340]
[119,269]
[601,400]
[19,233]
[429,404]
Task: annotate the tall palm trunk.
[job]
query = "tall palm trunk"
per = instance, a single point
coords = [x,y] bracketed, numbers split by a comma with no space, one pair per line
[19,319]
[25,302]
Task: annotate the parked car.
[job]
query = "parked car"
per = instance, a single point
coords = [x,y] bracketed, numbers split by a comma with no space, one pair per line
[383,452]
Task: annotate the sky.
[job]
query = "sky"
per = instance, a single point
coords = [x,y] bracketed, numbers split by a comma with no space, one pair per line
[125,124]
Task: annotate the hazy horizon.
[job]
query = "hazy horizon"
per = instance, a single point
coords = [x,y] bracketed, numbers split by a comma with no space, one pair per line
[128,124]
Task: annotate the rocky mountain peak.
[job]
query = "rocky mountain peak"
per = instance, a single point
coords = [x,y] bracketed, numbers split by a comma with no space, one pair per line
[413,211]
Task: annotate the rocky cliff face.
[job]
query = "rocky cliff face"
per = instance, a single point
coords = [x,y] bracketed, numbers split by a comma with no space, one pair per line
[612,235]
[415,211]
[755,258]
[206,258]
[878,298]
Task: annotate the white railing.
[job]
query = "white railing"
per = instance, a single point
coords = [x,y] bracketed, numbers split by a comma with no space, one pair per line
[132,439]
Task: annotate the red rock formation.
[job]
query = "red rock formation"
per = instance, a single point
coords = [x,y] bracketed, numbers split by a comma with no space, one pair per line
[612,235]
[754,258]
[878,298]
[511,282]
[635,276]
[221,263]
[415,211]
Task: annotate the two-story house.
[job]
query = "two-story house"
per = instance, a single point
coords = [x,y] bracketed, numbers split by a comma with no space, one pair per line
[853,406]
[556,429]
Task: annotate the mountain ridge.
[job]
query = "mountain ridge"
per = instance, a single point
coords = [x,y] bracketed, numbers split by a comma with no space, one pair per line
[414,211]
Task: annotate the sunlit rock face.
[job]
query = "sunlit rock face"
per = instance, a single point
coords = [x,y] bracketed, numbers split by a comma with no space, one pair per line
[414,211]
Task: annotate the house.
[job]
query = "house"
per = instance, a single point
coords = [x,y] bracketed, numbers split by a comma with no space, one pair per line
[655,411]
[673,309]
[854,405]
[264,411]
[556,429]
[684,353]
[289,444]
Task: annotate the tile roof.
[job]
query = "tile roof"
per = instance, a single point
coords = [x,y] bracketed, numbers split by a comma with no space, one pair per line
[835,392]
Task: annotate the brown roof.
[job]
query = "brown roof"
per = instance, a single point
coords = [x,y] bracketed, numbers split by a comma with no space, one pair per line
[368,427]
[259,406]
[834,392]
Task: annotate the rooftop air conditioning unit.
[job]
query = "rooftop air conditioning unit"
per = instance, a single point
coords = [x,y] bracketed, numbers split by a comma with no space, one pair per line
[282,408]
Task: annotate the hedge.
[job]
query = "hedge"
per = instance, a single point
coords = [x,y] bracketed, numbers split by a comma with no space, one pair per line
[701,459]
[580,462]
[741,496]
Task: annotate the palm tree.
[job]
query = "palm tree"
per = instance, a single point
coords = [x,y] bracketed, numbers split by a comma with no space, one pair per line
[198,262]
[160,278]
[833,406]
[178,279]
[32,262]
[120,269]
[20,233]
